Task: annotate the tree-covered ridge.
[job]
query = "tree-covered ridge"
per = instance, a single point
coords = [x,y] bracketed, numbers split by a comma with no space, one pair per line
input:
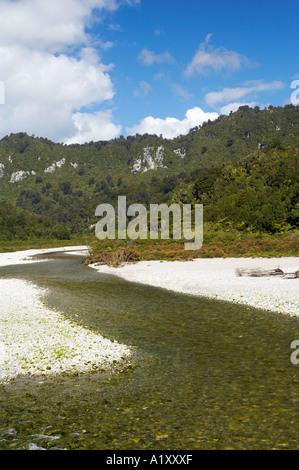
[243,132]
[227,138]
[259,192]
[242,167]
[17,224]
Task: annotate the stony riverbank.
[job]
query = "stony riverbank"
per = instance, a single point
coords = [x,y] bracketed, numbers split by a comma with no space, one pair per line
[35,340]
[217,278]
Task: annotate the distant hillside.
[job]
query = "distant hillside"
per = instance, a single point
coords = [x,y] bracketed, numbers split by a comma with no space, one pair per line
[17,224]
[66,183]
[238,134]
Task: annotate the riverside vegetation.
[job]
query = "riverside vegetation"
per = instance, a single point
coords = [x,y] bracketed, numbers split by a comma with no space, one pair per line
[243,168]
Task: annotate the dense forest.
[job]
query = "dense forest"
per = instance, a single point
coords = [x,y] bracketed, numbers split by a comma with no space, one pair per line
[243,168]
[18,224]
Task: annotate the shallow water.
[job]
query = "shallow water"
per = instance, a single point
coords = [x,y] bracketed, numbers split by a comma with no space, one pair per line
[206,374]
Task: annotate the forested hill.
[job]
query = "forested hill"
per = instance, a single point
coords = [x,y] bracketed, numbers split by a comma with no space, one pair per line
[66,183]
[227,138]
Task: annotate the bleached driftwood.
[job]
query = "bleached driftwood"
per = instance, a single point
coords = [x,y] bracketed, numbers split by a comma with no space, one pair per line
[258,272]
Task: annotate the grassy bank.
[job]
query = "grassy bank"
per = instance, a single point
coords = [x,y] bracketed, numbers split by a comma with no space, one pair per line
[116,252]
[217,244]
[20,245]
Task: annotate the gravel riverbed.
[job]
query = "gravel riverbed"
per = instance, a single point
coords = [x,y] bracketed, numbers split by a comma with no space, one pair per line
[217,278]
[35,340]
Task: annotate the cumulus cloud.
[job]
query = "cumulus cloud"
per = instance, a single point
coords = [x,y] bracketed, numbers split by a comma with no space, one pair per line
[46,85]
[172,127]
[208,58]
[53,79]
[44,24]
[43,90]
[93,127]
[2,93]
[232,107]
[230,94]
[149,58]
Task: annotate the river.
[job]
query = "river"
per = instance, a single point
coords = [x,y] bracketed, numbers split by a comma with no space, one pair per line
[206,374]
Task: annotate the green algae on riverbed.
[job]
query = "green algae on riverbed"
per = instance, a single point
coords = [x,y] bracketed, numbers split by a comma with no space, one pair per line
[206,374]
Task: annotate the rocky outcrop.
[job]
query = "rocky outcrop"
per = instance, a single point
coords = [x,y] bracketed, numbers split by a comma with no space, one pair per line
[151,159]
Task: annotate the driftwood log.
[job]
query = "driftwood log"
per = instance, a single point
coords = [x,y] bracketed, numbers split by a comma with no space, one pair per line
[257,272]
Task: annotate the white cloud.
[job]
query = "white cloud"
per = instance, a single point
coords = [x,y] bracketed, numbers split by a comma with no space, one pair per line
[2,93]
[43,90]
[230,94]
[143,90]
[235,106]
[114,27]
[209,58]
[149,58]
[180,92]
[45,84]
[32,76]
[93,126]
[172,127]
[44,24]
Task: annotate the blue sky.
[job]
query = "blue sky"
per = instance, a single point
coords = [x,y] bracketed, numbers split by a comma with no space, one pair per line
[77,71]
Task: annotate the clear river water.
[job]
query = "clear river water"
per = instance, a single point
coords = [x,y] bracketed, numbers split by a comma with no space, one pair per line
[205,375]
